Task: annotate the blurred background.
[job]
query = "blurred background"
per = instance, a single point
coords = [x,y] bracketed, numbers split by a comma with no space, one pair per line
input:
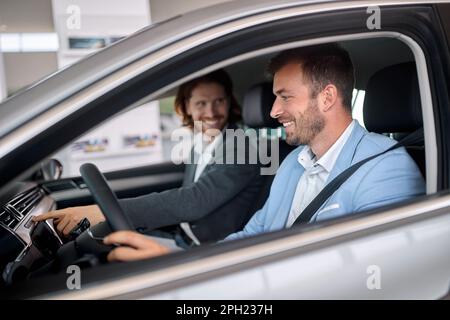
[38,37]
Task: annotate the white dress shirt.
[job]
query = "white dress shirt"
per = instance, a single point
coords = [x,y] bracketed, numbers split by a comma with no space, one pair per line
[204,150]
[316,174]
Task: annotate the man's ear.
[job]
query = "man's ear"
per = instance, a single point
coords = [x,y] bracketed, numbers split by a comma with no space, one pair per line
[329,97]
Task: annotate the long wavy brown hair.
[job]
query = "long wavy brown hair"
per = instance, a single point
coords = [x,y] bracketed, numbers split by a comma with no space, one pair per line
[185,91]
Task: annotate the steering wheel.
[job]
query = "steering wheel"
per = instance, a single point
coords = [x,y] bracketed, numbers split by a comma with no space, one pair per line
[89,246]
[105,198]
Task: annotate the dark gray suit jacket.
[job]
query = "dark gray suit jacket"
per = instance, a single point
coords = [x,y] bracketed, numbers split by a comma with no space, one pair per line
[218,204]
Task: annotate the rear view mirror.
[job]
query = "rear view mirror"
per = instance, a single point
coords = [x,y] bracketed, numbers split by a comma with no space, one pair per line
[51,170]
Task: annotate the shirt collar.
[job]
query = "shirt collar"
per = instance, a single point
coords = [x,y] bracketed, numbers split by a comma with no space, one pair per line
[307,159]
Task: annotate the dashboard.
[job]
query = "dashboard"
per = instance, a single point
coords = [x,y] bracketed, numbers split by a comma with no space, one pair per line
[24,244]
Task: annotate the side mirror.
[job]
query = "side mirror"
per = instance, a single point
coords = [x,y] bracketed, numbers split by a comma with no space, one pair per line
[51,170]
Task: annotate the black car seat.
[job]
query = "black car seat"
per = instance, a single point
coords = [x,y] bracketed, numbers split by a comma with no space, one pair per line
[392,106]
[257,104]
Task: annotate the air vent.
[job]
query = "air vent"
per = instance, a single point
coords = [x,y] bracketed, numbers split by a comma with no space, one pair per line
[8,219]
[14,211]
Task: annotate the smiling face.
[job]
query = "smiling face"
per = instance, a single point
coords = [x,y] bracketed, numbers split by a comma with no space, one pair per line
[294,107]
[209,107]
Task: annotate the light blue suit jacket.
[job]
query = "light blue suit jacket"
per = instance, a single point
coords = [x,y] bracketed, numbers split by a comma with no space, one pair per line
[389,178]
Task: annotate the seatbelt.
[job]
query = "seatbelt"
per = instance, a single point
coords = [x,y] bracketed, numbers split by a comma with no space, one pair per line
[306,215]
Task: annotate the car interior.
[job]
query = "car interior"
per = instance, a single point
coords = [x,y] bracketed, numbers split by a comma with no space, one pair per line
[385,72]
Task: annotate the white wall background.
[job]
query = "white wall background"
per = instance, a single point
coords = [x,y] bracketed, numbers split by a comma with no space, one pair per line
[99,18]
[22,68]
[117,17]
[116,155]
[2,78]
[26,16]
[107,18]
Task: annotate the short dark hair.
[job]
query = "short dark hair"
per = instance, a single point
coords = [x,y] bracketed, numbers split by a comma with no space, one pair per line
[184,93]
[321,65]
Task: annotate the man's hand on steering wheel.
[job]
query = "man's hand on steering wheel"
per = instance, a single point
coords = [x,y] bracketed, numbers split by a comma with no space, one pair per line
[134,246]
[131,245]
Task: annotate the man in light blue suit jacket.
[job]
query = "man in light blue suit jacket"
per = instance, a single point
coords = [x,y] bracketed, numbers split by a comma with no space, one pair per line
[313,88]
[386,179]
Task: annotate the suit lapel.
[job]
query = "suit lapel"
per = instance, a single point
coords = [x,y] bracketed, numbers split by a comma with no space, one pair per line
[295,171]
[189,171]
[346,156]
[295,174]
[219,148]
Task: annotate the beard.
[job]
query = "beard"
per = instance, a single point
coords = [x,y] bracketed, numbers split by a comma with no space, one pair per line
[307,125]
